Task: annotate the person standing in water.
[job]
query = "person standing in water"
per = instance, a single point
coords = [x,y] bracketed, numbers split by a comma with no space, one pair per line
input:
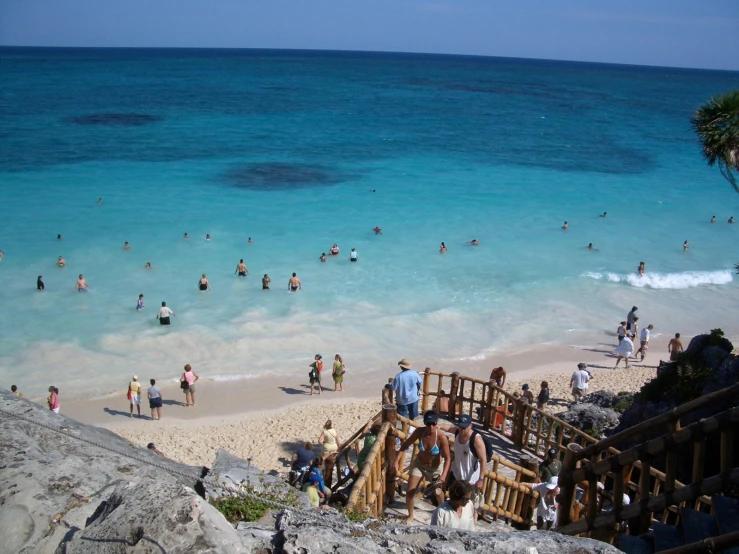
[685,245]
[81,284]
[641,269]
[334,251]
[39,283]
[322,257]
[140,303]
[186,236]
[713,219]
[590,246]
[294,284]
[731,219]
[565,226]
[353,256]
[60,262]
[442,248]
[241,269]
[203,283]
[164,314]
[265,282]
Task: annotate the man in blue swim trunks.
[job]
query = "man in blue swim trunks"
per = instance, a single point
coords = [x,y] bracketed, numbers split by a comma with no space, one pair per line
[81,284]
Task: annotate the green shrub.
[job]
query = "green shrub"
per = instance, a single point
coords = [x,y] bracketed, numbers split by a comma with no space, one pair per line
[623,405]
[242,508]
[356,517]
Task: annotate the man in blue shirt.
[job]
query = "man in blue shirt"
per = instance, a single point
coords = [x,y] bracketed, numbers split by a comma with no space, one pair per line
[406,385]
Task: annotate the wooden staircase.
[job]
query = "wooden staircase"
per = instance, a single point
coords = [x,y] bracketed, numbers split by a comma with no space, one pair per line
[717,532]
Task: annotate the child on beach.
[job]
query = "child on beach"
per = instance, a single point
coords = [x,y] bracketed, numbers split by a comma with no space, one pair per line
[315,373]
[53,400]
[543,398]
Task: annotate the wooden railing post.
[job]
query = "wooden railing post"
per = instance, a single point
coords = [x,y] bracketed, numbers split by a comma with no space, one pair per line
[387,396]
[519,415]
[488,408]
[390,415]
[671,460]
[699,457]
[640,524]
[529,504]
[727,444]
[426,380]
[453,396]
[567,485]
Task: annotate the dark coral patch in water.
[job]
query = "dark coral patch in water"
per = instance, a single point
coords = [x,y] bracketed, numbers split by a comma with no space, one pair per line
[281,176]
[115,119]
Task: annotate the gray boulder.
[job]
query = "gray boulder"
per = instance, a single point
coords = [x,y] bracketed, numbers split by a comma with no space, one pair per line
[591,419]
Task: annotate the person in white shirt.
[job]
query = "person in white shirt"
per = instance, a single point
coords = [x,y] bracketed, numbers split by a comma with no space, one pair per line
[644,341]
[579,381]
[546,509]
[164,314]
[353,256]
[457,512]
[624,350]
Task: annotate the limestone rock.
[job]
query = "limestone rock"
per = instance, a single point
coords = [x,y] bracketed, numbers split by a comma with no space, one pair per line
[591,419]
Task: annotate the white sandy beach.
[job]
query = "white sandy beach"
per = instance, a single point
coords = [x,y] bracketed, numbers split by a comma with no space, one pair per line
[265,420]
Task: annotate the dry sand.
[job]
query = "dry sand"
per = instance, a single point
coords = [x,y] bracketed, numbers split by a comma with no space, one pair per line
[267,419]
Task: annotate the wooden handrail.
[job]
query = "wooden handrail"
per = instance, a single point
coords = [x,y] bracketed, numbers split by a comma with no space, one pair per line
[369,462]
[711,544]
[655,503]
[662,419]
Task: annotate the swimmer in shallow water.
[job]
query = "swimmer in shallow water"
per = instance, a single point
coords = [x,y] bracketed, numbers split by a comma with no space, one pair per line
[474,242]
[685,245]
[186,236]
[203,283]
[40,283]
[148,265]
[58,237]
[604,214]
[322,257]
[713,219]
[241,269]
[60,262]
[249,241]
[565,226]
[265,282]
[140,303]
[731,219]
[81,284]
[442,248]
[207,236]
[294,284]
[334,251]
[126,245]
[377,231]
[100,201]
[641,269]
[590,246]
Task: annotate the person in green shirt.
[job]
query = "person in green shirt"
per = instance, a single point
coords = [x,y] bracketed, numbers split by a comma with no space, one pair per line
[311,487]
[370,437]
[550,467]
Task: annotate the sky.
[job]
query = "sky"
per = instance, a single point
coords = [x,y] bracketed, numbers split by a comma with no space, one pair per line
[679,33]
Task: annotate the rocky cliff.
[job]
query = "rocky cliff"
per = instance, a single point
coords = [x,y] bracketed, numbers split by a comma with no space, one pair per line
[66,487]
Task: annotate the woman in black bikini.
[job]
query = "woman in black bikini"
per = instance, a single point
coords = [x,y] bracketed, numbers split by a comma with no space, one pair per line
[203,283]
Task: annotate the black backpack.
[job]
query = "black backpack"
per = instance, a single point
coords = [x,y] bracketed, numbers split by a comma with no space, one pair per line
[485,440]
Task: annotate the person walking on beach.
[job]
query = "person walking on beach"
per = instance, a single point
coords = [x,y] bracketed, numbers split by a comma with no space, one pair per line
[338,373]
[315,373]
[15,391]
[187,384]
[526,395]
[431,463]
[634,328]
[140,303]
[353,256]
[498,375]
[329,439]
[644,341]
[53,400]
[624,351]
[203,283]
[241,269]
[621,332]
[134,395]
[630,317]
[155,400]
[265,282]
[81,284]
[406,386]
[294,284]
[40,283]
[579,381]
[164,314]
[675,347]
[60,262]
[470,457]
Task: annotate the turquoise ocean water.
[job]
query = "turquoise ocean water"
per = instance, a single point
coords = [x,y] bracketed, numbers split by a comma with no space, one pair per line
[286,147]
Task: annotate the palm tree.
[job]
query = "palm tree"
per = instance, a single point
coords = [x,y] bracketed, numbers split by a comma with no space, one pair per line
[717,125]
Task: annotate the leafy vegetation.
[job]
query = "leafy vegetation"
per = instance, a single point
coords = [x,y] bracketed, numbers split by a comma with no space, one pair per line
[356,517]
[717,125]
[243,508]
[624,404]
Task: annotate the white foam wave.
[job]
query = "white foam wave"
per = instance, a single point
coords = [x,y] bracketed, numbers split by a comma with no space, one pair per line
[683,280]
[222,378]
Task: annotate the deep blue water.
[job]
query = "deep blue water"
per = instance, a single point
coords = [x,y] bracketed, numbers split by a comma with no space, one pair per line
[285,147]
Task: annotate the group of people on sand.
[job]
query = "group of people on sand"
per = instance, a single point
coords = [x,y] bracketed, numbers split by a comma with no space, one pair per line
[154,393]
[627,332]
[337,373]
[52,401]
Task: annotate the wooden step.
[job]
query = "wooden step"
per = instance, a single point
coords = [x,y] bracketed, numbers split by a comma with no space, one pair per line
[634,545]
[697,526]
[666,537]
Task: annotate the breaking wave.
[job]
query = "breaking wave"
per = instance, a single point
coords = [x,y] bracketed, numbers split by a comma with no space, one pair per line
[684,280]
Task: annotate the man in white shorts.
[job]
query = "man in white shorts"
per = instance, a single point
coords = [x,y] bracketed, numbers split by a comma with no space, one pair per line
[579,381]
[134,394]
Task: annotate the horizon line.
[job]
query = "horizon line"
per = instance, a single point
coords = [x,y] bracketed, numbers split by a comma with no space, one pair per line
[624,64]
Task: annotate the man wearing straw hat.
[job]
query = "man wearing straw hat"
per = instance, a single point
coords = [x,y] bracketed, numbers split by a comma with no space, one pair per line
[406,385]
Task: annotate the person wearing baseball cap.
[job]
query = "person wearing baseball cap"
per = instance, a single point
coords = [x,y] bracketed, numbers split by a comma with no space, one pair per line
[579,381]
[134,395]
[470,457]
[546,509]
[550,467]
[406,386]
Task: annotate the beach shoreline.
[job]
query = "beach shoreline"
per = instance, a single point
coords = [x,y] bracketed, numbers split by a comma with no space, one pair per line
[267,419]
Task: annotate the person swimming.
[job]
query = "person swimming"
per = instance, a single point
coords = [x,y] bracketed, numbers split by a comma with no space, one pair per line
[203,283]
[148,265]
[641,269]
[207,236]
[126,245]
[442,248]
[59,237]
[140,303]
[60,262]
[377,231]
[565,226]
[474,242]
[81,285]
[604,214]
[100,201]
[590,246]
[249,241]
[731,219]
[186,236]
[322,257]
[334,251]
[686,245]
[713,219]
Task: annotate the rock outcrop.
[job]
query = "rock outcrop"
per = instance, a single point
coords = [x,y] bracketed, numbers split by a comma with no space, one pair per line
[70,488]
[591,419]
